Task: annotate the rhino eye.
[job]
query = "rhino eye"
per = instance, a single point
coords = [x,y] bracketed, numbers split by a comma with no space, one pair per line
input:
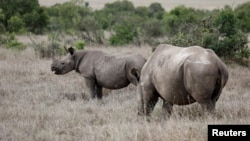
[63,63]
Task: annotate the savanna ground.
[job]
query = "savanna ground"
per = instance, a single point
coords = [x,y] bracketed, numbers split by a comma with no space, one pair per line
[35,104]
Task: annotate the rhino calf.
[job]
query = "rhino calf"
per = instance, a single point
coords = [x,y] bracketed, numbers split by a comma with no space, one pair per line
[100,69]
[181,76]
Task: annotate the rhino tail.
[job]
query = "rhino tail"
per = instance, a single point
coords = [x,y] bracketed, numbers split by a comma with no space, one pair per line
[135,73]
[218,87]
[134,76]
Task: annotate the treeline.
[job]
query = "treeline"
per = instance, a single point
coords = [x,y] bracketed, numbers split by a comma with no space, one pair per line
[121,23]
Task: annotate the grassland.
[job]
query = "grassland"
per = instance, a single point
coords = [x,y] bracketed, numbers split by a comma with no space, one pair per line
[36,105]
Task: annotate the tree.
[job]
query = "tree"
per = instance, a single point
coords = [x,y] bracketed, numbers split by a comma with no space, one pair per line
[125,33]
[67,15]
[242,13]
[16,24]
[231,42]
[156,10]
[29,11]
[2,17]
[226,22]
[179,18]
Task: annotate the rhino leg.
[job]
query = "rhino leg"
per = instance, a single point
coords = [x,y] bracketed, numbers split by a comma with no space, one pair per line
[207,106]
[90,87]
[150,99]
[150,104]
[140,100]
[167,109]
[98,92]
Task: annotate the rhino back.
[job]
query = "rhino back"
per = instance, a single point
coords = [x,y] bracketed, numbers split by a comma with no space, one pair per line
[87,61]
[110,73]
[111,70]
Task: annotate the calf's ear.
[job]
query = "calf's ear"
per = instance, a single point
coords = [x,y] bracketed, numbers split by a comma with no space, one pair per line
[135,73]
[71,50]
[65,48]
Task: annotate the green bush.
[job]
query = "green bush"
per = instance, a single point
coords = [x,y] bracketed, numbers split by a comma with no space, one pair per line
[142,11]
[226,22]
[14,44]
[125,33]
[231,40]
[113,13]
[90,30]
[2,17]
[10,42]
[153,28]
[218,32]
[156,10]
[66,16]
[2,29]
[119,6]
[16,24]
[36,20]
[27,13]
[80,44]
[179,18]
[242,13]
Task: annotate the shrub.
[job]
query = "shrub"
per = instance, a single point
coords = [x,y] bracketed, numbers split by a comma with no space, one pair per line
[119,6]
[14,44]
[27,13]
[36,20]
[156,10]
[218,33]
[16,24]
[66,16]
[113,13]
[231,40]
[153,28]
[226,22]
[90,30]
[142,12]
[125,33]
[80,44]
[2,28]
[10,42]
[178,18]
[242,13]
[2,17]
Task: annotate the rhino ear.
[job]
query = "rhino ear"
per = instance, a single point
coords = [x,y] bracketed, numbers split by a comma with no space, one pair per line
[71,50]
[135,73]
[65,48]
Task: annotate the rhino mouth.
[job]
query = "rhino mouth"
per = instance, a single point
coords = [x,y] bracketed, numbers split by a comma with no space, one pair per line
[55,70]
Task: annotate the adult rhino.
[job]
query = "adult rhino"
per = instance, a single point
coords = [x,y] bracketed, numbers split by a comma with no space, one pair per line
[181,76]
[100,69]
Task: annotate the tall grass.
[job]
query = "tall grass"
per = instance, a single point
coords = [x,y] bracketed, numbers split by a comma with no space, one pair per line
[35,104]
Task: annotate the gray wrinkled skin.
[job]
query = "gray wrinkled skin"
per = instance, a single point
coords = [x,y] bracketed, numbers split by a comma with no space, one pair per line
[100,69]
[181,76]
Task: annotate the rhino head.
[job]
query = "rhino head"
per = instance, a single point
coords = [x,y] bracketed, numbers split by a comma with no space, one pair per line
[66,64]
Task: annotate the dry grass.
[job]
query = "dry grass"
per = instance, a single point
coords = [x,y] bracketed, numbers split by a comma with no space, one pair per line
[35,104]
